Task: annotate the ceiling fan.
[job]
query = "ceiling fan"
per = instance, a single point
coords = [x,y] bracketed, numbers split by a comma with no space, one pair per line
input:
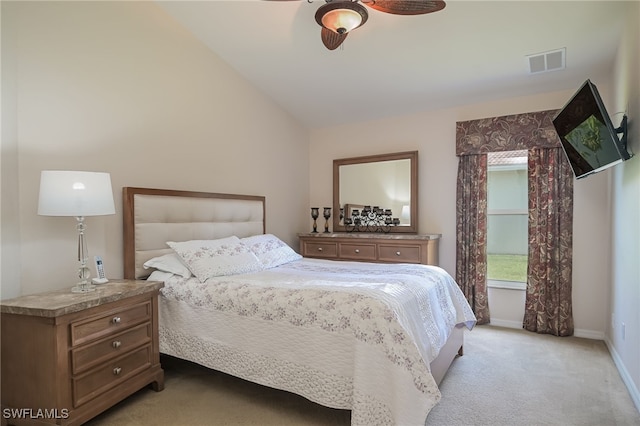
[338,17]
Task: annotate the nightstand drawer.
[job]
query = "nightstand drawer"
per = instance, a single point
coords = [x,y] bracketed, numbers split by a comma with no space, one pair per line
[110,374]
[114,321]
[320,249]
[407,253]
[357,251]
[110,347]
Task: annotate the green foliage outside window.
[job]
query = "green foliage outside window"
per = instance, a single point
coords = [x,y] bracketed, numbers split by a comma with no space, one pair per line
[507,267]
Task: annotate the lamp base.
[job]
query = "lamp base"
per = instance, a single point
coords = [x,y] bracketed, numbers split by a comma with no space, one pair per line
[84,285]
[83,288]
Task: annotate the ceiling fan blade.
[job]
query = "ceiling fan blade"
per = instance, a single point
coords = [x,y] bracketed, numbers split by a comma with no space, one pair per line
[406,7]
[332,40]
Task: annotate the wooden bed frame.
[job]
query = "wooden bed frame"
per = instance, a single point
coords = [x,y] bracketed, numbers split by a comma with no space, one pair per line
[154,216]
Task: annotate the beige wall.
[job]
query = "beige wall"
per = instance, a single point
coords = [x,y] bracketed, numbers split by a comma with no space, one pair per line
[433,135]
[624,312]
[120,87]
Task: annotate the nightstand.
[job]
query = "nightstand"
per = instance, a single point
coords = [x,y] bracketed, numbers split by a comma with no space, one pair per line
[67,357]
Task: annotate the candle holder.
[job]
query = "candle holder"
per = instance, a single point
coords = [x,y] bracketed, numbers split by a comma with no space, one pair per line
[370,219]
[327,214]
[315,214]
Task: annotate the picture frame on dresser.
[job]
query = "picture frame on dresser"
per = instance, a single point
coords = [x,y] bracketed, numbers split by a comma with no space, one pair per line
[349,209]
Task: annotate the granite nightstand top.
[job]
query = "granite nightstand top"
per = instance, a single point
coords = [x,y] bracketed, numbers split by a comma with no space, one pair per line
[61,302]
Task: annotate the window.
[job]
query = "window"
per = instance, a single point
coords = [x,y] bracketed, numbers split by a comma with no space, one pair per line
[507,220]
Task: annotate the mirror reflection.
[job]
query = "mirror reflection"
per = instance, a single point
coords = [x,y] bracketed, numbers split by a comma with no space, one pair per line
[383,184]
[376,193]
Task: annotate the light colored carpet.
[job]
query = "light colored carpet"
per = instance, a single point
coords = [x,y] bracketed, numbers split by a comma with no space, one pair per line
[506,377]
[514,377]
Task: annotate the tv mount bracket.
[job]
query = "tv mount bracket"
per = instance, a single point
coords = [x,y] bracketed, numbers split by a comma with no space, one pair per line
[623,129]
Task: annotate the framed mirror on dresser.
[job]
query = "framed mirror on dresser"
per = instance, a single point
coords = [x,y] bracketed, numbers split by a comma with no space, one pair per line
[386,181]
[375,205]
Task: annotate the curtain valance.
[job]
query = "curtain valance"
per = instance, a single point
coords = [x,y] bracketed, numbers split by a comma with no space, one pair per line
[507,133]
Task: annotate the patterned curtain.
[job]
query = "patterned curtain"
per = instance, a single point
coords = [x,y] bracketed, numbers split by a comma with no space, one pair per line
[550,269]
[548,306]
[471,233]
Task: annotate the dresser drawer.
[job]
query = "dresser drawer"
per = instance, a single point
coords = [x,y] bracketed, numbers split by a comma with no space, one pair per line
[110,374]
[320,249]
[109,347]
[357,251]
[111,322]
[400,253]
[374,247]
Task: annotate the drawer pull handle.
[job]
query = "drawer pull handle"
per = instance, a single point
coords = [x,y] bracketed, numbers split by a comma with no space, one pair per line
[116,320]
[117,371]
[116,344]
[397,253]
[319,248]
[357,250]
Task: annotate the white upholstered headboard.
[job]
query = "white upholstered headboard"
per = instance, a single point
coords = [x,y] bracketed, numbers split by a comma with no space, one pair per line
[154,216]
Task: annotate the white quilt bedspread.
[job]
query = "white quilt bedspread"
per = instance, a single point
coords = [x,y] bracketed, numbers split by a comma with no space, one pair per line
[349,335]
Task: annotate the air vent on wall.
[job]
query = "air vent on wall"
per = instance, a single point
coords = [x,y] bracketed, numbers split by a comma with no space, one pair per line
[552,60]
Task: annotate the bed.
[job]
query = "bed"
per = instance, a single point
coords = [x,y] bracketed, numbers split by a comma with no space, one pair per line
[375,339]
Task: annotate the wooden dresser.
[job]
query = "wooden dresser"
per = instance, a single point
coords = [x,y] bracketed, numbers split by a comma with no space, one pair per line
[377,247]
[67,357]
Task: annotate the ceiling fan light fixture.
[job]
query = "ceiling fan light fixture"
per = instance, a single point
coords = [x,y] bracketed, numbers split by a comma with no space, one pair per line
[341,16]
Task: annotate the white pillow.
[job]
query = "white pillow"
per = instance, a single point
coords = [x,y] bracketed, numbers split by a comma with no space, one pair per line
[169,263]
[214,258]
[270,250]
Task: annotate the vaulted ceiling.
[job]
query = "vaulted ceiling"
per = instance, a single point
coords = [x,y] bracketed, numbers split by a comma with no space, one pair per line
[469,52]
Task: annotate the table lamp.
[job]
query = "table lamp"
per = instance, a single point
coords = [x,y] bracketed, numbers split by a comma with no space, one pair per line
[77,194]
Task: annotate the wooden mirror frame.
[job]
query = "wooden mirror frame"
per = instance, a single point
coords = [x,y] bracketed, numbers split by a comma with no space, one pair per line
[412,228]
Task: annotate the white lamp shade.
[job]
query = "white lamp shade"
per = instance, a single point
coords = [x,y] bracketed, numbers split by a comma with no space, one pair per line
[405,213]
[68,193]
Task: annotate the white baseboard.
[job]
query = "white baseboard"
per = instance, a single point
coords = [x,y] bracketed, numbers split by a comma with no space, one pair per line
[586,334]
[624,373]
[506,323]
[596,335]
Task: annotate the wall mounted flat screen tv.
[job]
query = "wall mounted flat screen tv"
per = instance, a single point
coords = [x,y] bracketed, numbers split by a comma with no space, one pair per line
[589,139]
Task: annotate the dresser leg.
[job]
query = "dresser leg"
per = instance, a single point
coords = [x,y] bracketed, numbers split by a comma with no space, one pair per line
[158,384]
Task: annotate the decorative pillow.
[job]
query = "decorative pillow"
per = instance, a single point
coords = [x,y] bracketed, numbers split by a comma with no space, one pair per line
[169,263]
[270,250]
[214,258]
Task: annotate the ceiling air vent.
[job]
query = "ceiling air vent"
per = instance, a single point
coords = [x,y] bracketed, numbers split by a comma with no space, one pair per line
[552,60]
